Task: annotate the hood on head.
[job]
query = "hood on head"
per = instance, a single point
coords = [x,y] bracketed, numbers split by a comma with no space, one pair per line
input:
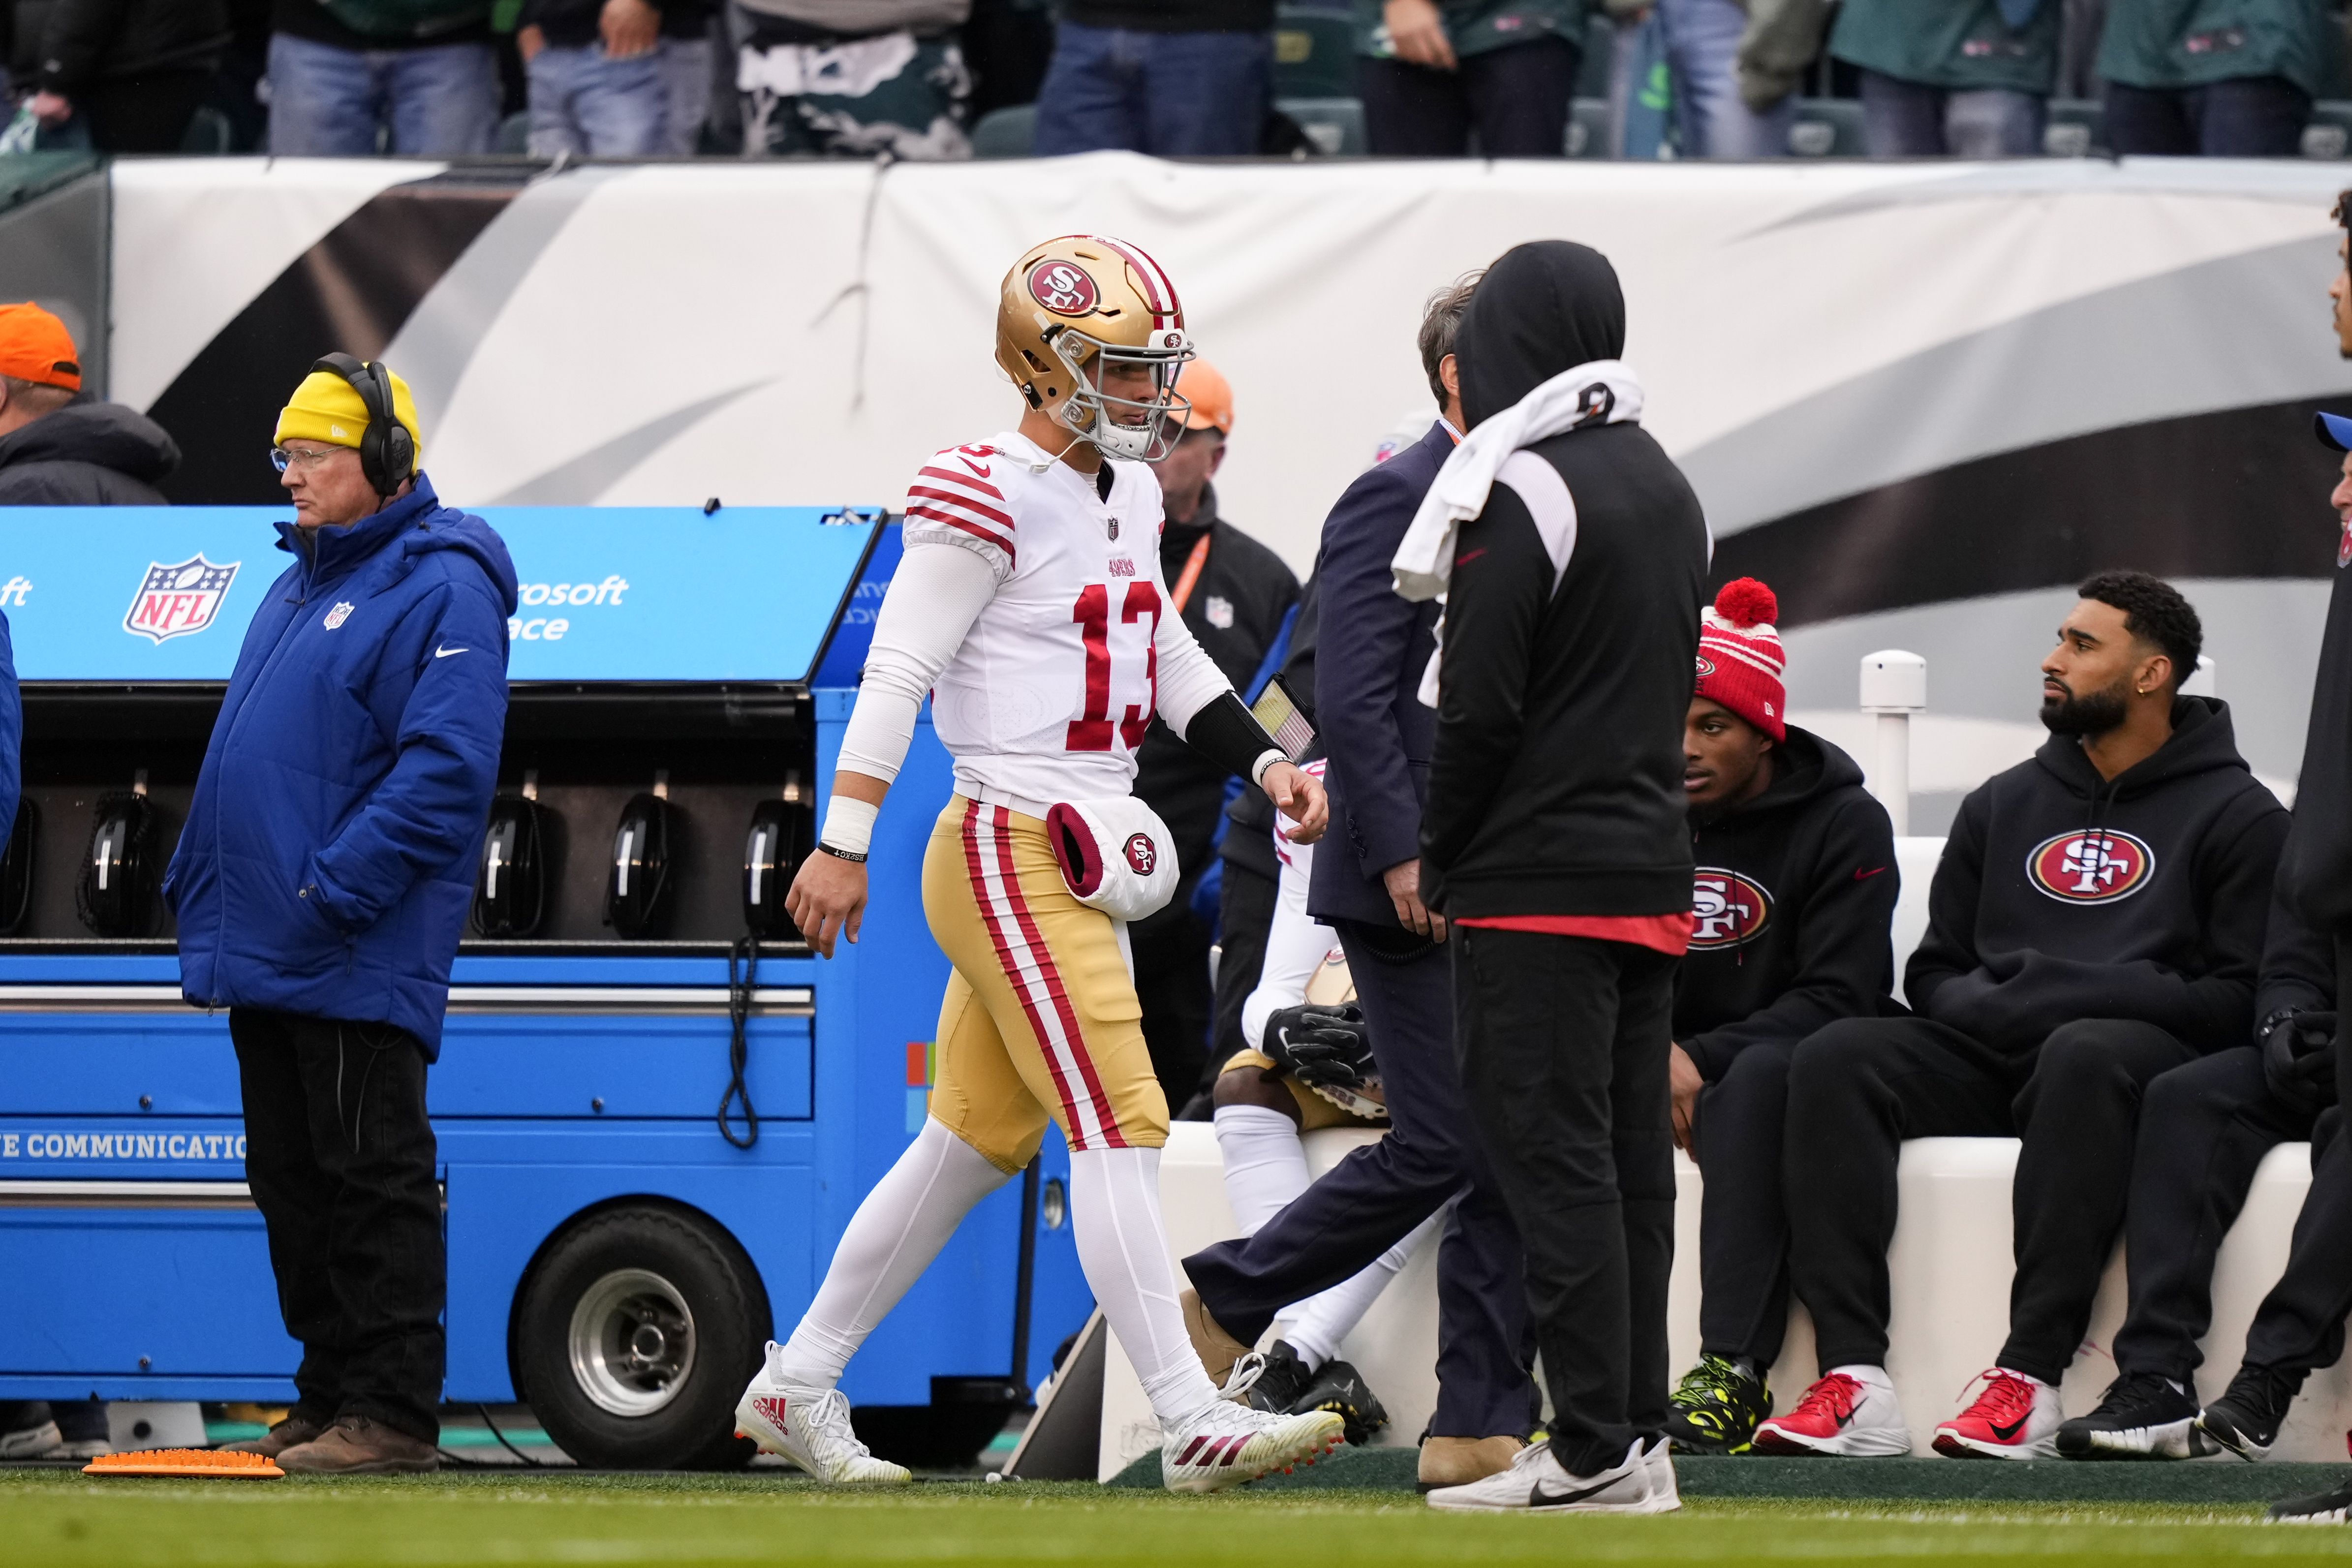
[1543,308]
[105,433]
[463,531]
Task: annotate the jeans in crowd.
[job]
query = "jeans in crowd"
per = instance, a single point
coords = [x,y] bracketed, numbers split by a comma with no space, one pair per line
[686,67]
[324,102]
[1702,54]
[340,1160]
[1173,95]
[588,104]
[1909,120]
[2252,116]
[1517,98]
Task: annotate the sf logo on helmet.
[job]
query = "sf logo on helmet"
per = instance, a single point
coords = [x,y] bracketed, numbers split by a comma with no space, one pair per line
[1726,909]
[1142,853]
[1063,288]
[2095,867]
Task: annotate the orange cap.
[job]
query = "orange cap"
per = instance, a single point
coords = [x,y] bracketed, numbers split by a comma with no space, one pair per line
[1213,400]
[36,346]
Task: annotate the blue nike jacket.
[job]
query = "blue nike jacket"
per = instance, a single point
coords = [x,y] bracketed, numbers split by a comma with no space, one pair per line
[329,854]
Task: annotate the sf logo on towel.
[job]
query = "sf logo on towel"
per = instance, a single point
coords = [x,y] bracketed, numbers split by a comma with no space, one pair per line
[1142,853]
[2095,867]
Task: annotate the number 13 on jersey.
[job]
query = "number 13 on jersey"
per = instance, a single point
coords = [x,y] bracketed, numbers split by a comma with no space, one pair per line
[1140,606]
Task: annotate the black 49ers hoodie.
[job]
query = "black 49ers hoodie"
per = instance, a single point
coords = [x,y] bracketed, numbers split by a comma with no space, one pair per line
[2063,895]
[1795,896]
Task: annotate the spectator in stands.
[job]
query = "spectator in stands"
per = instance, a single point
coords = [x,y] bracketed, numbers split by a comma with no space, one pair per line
[129,73]
[2097,920]
[688,53]
[60,446]
[416,79]
[601,78]
[853,77]
[1378,731]
[1431,72]
[2234,80]
[1968,77]
[2204,1132]
[1176,78]
[1794,898]
[1237,596]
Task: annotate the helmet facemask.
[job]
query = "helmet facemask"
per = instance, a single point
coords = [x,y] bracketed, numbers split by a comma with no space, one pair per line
[1093,414]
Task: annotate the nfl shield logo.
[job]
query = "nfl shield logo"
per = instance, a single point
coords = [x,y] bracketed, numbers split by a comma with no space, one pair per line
[337,615]
[175,601]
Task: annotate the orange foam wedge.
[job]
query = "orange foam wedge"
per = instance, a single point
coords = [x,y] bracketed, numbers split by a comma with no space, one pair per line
[202,1463]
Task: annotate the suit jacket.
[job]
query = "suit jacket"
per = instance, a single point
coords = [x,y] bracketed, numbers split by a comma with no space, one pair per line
[1367,713]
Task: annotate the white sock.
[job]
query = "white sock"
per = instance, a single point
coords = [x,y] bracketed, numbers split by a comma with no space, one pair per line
[2024,1376]
[1870,1377]
[1266,1164]
[1123,1247]
[891,1239]
[1321,1321]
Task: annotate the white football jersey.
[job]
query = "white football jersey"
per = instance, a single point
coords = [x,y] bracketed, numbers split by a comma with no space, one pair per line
[1050,694]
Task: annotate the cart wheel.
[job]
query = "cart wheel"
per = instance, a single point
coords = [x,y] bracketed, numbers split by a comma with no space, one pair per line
[634,1334]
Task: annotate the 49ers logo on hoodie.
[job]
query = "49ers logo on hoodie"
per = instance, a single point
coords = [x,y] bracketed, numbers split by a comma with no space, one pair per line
[1726,909]
[2099,866]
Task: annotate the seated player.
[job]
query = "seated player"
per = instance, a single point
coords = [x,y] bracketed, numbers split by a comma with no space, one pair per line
[1315,1070]
[2097,920]
[1029,607]
[1795,896]
[2203,1132]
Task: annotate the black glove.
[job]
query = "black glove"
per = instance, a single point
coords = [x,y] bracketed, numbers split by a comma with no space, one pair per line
[1325,1045]
[2299,1059]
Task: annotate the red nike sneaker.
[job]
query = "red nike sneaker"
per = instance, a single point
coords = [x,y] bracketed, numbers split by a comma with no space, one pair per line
[1841,1416]
[2015,1419]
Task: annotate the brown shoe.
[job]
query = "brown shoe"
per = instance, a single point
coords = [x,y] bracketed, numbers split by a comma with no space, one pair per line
[360,1446]
[1457,1461]
[1217,1349]
[296,1429]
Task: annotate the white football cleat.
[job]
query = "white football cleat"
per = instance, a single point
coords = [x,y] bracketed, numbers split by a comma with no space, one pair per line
[809,1427]
[1537,1483]
[1224,1444]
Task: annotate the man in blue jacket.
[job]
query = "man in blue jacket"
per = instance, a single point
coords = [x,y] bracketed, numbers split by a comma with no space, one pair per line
[321,885]
[1378,731]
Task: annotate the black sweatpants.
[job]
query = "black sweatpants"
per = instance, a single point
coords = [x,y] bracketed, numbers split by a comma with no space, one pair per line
[1245,903]
[1372,1198]
[1743,1220]
[340,1160]
[1861,1086]
[1516,97]
[1564,1044]
[2202,1133]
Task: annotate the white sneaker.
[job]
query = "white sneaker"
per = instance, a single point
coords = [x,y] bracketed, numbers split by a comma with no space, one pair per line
[2013,1418]
[1664,1496]
[1840,1414]
[1224,1444]
[1537,1483]
[809,1427]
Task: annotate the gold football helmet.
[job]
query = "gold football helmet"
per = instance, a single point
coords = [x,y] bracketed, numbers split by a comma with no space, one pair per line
[1072,306]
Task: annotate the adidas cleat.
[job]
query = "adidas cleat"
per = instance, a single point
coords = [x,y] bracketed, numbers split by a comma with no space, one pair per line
[809,1428]
[1716,1407]
[1226,1444]
[2015,1417]
[2141,1417]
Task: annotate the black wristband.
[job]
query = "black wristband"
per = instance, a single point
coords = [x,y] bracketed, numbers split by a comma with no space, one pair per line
[841,854]
[1228,735]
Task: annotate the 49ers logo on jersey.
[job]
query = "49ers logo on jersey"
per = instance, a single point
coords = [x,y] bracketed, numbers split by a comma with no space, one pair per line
[1726,909]
[2095,867]
[1142,853]
[1063,288]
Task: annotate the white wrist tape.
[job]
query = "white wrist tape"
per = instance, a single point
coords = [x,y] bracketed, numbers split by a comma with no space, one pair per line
[849,824]
[1265,760]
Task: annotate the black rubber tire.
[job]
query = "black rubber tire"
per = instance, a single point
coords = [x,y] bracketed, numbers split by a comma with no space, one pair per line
[696,1429]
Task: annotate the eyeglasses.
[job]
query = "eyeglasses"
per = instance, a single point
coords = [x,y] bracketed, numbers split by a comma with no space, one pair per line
[282,458]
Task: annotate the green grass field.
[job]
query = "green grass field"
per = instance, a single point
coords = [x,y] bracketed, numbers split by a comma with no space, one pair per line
[66,1520]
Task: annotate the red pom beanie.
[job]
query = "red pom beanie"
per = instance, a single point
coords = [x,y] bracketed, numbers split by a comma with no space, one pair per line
[1739,657]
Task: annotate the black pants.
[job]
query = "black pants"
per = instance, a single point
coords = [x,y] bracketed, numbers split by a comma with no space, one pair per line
[1245,916]
[1564,1044]
[340,1159]
[1516,97]
[1372,1199]
[1860,1087]
[1743,1222]
[1172,981]
[144,113]
[2252,116]
[2204,1132]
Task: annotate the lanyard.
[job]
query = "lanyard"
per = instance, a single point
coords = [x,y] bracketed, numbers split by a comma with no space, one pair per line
[1192,573]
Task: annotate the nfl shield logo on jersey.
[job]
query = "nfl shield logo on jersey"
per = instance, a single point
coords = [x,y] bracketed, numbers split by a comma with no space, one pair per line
[337,615]
[175,601]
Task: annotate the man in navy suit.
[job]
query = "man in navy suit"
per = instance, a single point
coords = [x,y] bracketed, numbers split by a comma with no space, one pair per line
[1366,885]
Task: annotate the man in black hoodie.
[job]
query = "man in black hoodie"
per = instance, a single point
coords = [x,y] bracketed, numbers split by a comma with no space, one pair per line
[58,446]
[1793,902]
[2098,919]
[1557,845]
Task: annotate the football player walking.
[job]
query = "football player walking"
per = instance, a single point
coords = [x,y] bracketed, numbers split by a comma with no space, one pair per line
[1030,606]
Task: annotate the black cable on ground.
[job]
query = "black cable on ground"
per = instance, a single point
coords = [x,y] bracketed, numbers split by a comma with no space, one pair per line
[485,1412]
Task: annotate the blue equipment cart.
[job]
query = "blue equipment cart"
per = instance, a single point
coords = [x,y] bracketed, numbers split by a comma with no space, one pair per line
[617,1254]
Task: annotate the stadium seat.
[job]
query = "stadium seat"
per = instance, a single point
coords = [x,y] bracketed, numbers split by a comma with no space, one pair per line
[514,134]
[2078,127]
[1587,128]
[1600,49]
[1827,128]
[1314,52]
[1008,132]
[2328,133]
[1335,125]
